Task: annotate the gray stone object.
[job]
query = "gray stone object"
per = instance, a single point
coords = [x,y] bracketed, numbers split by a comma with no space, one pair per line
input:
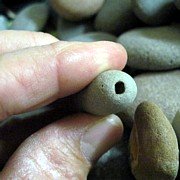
[176,125]
[116,16]
[3,23]
[155,12]
[67,29]
[94,36]
[111,92]
[162,88]
[31,18]
[155,48]
[177,4]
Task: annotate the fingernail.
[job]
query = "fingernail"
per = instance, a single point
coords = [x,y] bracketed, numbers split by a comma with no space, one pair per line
[101,136]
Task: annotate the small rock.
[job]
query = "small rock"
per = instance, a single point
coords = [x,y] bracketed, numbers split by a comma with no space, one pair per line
[161,88]
[176,125]
[3,23]
[153,145]
[31,18]
[153,48]
[111,92]
[77,9]
[116,16]
[177,4]
[154,12]
[94,36]
[67,29]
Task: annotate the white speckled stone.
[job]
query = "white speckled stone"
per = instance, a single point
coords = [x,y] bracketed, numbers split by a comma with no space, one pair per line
[162,88]
[111,92]
[176,125]
[154,12]
[76,9]
[94,36]
[3,23]
[116,16]
[153,48]
[67,29]
[31,18]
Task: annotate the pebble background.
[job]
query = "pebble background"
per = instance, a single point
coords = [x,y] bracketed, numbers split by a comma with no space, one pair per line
[150,32]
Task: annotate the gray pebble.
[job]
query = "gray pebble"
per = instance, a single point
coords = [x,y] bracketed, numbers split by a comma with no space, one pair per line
[111,92]
[153,48]
[176,125]
[67,29]
[77,9]
[161,88]
[154,12]
[94,36]
[3,23]
[177,4]
[31,18]
[116,16]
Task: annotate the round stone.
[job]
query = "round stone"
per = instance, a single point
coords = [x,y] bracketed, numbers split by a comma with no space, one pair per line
[154,12]
[153,145]
[153,48]
[161,88]
[94,36]
[111,92]
[67,29]
[177,4]
[31,18]
[116,16]
[77,9]
[3,23]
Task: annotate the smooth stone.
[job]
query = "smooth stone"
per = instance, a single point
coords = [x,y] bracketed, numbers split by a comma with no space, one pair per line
[153,48]
[31,18]
[153,145]
[154,12]
[77,9]
[94,36]
[116,16]
[176,125]
[109,93]
[67,29]
[177,4]
[161,88]
[3,23]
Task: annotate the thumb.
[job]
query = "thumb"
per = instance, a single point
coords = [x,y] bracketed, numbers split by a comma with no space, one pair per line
[65,149]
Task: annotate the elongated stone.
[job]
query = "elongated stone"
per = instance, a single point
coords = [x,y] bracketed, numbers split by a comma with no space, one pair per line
[176,125]
[153,145]
[3,23]
[153,48]
[31,18]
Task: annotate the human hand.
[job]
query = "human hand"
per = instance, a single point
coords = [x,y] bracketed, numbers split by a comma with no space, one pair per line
[37,69]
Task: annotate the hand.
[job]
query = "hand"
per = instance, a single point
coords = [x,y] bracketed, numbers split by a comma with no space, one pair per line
[37,69]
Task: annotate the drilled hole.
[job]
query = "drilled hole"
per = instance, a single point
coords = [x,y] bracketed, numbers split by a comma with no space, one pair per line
[119,88]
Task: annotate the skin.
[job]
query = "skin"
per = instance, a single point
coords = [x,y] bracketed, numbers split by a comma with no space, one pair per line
[37,69]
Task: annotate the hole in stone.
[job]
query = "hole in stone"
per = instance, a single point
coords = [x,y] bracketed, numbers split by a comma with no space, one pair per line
[119,87]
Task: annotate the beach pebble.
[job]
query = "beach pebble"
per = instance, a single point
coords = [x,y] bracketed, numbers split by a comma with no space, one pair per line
[154,12]
[94,36]
[111,92]
[3,23]
[161,88]
[116,16]
[176,125]
[155,48]
[77,9]
[67,29]
[177,4]
[31,18]
[153,145]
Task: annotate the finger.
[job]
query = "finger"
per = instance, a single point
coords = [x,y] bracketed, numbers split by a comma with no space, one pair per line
[65,149]
[36,76]
[14,40]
